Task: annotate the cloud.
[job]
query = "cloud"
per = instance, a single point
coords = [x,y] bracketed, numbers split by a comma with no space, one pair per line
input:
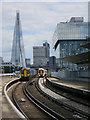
[38,22]
[0,29]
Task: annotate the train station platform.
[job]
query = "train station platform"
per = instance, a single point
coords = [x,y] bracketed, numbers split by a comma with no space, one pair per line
[71,83]
[6,111]
[77,89]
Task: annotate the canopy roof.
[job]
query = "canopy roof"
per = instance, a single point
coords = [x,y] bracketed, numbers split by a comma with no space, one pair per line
[86,45]
[82,58]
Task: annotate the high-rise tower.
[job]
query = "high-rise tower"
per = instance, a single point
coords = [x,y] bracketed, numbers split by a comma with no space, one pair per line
[18,54]
[41,54]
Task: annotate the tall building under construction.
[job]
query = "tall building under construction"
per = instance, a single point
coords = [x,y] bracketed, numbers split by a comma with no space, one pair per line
[18,54]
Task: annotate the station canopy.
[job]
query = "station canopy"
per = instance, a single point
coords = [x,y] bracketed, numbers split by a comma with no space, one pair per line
[82,58]
[86,45]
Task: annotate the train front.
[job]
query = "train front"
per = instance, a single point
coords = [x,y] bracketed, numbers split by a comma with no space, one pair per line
[25,73]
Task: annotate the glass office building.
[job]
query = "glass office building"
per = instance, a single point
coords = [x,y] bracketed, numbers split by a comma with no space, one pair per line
[69,36]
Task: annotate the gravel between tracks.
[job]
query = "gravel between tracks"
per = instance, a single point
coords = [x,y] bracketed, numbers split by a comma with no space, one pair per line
[28,107]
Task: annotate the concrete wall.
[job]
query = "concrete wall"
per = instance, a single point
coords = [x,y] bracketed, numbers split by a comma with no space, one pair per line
[72,75]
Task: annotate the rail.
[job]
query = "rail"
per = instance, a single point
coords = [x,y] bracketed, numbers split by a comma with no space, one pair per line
[85,94]
[16,103]
[63,104]
[46,109]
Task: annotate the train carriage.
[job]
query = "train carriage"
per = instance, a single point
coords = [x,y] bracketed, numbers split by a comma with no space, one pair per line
[26,73]
[42,72]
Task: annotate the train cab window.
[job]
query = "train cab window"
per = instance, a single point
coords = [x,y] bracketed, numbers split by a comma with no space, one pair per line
[40,71]
[28,71]
[22,72]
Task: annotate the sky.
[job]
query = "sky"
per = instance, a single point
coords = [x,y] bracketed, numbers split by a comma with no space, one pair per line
[44,0]
[38,20]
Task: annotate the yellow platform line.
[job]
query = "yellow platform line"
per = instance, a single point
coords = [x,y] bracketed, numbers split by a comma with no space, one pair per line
[4,82]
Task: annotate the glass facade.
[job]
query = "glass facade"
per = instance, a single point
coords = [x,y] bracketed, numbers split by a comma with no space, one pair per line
[69,48]
[70,36]
[18,54]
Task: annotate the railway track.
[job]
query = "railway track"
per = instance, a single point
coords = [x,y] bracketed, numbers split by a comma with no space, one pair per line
[71,113]
[43,107]
[68,103]
[26,107]
[48,108]
[16,101]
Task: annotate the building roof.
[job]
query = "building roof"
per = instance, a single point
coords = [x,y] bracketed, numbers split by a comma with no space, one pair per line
[76,19]
[76,29]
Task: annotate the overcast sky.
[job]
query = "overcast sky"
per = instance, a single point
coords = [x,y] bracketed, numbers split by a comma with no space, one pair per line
[38,20]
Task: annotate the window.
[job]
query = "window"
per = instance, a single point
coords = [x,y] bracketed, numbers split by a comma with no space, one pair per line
[80,43]
[28,71]
[78,49]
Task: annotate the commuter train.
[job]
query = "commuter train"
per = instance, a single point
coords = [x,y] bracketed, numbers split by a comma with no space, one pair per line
[42,72]
[26,73]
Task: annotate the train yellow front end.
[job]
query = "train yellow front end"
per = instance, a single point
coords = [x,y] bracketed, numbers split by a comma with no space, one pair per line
[25,73]
[42,72]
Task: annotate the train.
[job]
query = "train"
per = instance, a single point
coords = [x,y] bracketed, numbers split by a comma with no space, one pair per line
[42,72]
[26,73]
